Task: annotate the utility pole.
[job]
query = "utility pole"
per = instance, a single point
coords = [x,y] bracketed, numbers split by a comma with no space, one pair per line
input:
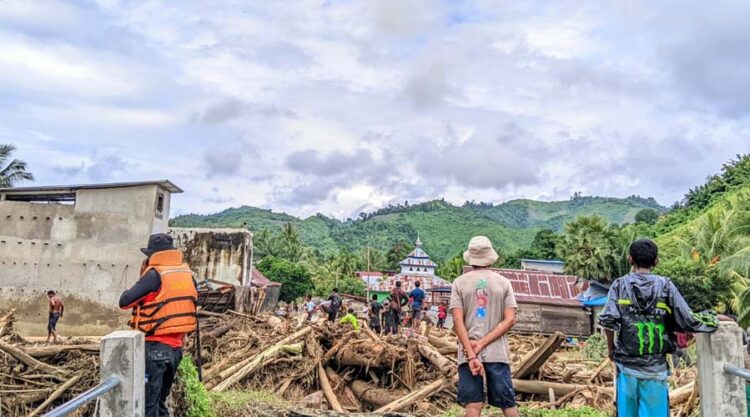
[367,299]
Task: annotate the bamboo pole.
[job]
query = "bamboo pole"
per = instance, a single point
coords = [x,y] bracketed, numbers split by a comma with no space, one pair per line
[55,395]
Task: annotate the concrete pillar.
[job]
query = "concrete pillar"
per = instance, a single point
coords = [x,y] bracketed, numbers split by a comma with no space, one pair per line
[123,355]
[721,394]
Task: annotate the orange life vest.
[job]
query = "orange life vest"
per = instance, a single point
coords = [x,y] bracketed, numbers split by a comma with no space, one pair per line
[173,308]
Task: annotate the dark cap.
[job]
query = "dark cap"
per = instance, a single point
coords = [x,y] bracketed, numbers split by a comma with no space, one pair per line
[157,243]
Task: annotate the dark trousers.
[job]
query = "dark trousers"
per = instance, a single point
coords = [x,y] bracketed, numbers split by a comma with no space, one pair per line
[395,321]
[161,366]
[332,315]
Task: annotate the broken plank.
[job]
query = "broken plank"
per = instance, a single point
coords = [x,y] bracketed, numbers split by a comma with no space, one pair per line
[531,363]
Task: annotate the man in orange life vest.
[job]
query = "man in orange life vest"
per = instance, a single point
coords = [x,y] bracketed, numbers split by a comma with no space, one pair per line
[163,302]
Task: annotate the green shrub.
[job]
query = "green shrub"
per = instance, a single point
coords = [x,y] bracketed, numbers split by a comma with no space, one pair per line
[196,396]
[595,348]
[563,412]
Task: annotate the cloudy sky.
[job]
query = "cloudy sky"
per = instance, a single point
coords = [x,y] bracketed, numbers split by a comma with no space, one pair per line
[345,106]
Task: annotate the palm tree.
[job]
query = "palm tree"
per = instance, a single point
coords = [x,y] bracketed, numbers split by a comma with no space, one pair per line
[14,171]
[588,248]
[720,240]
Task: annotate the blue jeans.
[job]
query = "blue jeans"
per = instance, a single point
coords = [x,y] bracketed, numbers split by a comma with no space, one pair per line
[641,397]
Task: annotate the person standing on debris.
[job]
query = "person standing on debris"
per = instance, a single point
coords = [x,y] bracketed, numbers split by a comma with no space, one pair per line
[375,308]
[399,299]
[442,314]
[385,316]
[351,320]
[417,297]
[642,313]
[56,309]
[310,307]
[484,310]
[334,306]
[164,308]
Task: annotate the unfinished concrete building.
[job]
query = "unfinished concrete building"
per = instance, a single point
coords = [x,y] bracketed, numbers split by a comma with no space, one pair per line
[81,241]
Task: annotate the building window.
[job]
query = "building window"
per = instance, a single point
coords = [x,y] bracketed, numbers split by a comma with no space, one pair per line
[159,206]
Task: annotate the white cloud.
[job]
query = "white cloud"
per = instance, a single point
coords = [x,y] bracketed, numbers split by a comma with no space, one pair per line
[334,107]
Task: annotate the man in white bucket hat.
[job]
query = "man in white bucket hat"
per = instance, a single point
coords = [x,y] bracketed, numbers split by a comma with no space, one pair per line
[484,310]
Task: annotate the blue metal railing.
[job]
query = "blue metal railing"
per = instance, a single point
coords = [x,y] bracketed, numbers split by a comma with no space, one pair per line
[106,386]
[733,370]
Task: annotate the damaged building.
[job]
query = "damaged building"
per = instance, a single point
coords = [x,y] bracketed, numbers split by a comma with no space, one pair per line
[81,241]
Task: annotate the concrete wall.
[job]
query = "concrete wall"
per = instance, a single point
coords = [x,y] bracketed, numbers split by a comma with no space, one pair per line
[219,254]
[88,252]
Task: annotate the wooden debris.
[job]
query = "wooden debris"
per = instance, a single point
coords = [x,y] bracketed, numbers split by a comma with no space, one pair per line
[28,360]
[55,395]
[257,362]
[606,362]
[373,395]
[325,385]
[39,352]
[535,359]
[543,387]
[413,398]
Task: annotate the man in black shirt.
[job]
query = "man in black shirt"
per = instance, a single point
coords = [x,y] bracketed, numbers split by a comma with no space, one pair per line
[375,308]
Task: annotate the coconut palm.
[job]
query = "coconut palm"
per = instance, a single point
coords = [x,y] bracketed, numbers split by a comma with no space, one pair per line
[588,248]
[720,240]
[12,171]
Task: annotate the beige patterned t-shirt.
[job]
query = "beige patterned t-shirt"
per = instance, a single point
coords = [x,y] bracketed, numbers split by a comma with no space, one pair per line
[483,295]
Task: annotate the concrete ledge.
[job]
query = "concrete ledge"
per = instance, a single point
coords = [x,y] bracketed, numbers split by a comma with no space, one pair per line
[123,355]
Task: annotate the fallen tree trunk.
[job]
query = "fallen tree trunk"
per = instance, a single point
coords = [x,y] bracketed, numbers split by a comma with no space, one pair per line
[349,355]
[373,395]
[415,397]
[28,360]
[543,387]
[445,365]
[325,385]
[257,362]
[534,360]
[443,344]
[335,348]
[46,351]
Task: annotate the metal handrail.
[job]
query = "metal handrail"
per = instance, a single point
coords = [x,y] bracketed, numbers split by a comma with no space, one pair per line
[736,371]
[107,385]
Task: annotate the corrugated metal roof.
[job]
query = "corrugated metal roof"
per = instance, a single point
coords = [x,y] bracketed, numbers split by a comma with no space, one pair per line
[541,288]
[260,280]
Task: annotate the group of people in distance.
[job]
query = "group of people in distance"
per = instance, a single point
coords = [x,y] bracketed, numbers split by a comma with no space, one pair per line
[399,308]
[482,307]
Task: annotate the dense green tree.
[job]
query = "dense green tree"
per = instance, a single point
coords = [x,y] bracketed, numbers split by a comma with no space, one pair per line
[12,171]
[452,268]
[265,244]
[647,215]
[290,242]
[588,248]
[544,245]
[295,279]
[346,264]
[373,259]
[513,260]
[703,287]
[396,254]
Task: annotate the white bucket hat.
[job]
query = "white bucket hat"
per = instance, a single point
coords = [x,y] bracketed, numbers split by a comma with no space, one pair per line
[480,252]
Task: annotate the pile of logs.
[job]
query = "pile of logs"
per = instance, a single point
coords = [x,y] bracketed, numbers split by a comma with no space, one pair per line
[323,366]
[34,378]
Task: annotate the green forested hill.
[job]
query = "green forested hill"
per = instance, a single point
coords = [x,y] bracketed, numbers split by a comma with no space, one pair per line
[554,214]
[444,228]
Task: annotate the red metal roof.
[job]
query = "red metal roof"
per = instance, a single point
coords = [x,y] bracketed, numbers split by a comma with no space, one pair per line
[260,280]
[540,288]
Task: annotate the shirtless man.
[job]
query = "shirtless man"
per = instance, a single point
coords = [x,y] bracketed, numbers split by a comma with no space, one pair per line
[56,308]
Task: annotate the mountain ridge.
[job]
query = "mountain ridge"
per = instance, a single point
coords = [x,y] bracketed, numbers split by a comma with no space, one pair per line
[445,228]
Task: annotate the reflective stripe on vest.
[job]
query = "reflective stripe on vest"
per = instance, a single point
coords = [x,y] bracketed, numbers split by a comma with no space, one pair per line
[174,308]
